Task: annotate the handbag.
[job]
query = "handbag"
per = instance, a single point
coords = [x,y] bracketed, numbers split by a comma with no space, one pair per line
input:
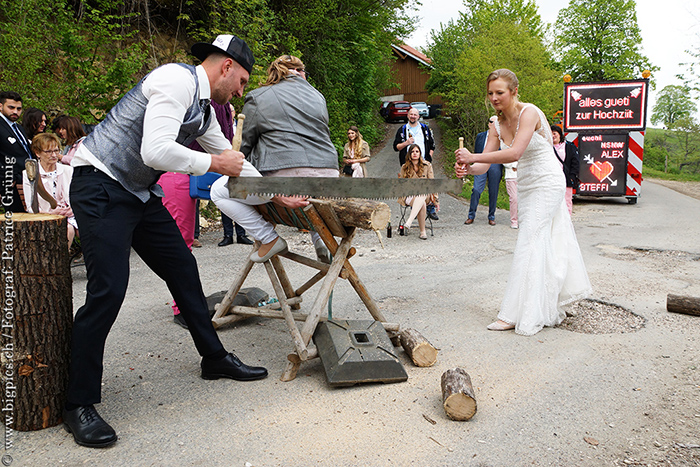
[347,169]
[200,185]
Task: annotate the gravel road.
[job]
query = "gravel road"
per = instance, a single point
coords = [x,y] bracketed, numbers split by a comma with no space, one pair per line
[559,398]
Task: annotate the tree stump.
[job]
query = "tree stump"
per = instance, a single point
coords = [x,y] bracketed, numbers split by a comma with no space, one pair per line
[418,348]
[683,304]
[37,318]
[458,398]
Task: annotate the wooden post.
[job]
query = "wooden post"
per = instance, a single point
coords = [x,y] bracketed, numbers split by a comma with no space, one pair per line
[418,348]
[682,304]
[37,318]
[458,398]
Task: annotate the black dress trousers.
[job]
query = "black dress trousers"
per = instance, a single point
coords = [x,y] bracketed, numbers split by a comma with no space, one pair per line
[112,221]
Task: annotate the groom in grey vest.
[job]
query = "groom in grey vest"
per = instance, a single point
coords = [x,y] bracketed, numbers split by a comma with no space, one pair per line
[117,204]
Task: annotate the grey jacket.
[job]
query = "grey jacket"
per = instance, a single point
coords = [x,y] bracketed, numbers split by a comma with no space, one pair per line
[286,126]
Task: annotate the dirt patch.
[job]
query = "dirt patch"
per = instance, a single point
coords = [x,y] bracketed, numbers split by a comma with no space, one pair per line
[598,317]
[631,253]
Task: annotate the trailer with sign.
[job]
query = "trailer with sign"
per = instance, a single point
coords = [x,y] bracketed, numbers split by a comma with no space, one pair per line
[607,121]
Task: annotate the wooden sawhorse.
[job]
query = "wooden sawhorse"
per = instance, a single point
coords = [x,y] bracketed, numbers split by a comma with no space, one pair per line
[338,218]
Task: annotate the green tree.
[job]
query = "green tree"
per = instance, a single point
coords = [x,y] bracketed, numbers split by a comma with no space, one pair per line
[58,58]
[444,48]
[491,34]
[691,78]
[346,47]
[81,56]
[656,150]
[502,45]
[447,44]
[672,104]
[687,131]
[599,40]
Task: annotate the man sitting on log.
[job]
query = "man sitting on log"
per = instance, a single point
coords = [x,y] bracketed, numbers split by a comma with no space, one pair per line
[117,204]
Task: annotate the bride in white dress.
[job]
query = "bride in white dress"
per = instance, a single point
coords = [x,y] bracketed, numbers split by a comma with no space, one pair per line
[548,270]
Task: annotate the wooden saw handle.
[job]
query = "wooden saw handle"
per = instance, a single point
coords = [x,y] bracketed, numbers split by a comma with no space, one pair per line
[32,168]
[238,137]
[461,146]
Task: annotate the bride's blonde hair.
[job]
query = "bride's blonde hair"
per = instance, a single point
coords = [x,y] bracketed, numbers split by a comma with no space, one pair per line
[510,79]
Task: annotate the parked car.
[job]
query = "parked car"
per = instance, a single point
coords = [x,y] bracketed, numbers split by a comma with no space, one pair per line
[422,108]
[383,109]
[397,110]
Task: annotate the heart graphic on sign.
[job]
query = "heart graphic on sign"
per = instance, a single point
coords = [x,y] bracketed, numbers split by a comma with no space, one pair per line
[11,140]
[600,170]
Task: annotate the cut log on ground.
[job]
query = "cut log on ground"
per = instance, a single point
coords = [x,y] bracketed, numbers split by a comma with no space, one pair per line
[38,312]
[418,348]
[458,398]
[683,304]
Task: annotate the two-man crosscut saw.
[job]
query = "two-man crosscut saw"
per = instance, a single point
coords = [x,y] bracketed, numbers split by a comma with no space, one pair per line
[341,187]
[334,188]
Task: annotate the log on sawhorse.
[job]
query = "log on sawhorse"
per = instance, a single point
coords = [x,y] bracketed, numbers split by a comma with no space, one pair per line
[330,219]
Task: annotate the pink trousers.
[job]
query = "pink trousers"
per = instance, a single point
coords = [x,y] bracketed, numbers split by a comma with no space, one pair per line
[179,204]
[569,199]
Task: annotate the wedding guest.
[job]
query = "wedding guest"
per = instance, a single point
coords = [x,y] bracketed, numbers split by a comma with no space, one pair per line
[34,122]
[492,176]
[71,131]
[548,270]
[228,123]
[567,154]
[355,154]
[416,132]
[511,175]
[14,147]
[417,167]
[56,179]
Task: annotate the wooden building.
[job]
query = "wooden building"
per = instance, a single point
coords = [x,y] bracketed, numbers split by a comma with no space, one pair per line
[411,70]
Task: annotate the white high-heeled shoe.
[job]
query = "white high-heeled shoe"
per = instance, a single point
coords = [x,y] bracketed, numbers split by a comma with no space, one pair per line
[500,326]
[280,246]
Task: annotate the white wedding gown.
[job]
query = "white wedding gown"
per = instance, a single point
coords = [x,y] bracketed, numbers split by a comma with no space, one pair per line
[548,270]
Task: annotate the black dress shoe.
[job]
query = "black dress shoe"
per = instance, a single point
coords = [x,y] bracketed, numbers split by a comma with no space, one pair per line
[226,241]
[244,240]
[180,320]
[88,428]
[231,367]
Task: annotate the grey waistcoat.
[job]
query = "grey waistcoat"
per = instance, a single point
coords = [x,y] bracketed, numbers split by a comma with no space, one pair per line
[116,141]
